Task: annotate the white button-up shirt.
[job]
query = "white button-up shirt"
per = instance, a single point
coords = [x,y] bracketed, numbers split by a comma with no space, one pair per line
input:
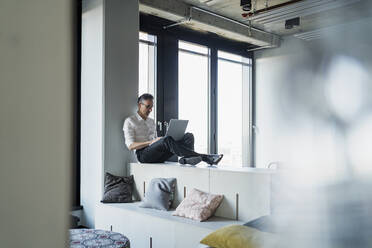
[137,129]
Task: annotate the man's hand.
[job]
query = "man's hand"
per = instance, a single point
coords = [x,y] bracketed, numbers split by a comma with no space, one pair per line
[154,140]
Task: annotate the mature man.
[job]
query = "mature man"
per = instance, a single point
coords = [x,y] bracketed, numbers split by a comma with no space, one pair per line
[140,135]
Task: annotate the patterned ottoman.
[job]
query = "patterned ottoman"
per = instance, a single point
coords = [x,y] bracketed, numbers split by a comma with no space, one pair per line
[89,238]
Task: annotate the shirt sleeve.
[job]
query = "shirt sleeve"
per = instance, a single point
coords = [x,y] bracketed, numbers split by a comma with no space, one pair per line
[129,134]
[153,130]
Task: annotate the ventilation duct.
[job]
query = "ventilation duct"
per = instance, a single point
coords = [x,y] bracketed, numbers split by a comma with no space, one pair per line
[333,31]
[298,9]
[184,14]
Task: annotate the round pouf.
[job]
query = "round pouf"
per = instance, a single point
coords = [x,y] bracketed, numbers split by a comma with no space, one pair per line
[89,238]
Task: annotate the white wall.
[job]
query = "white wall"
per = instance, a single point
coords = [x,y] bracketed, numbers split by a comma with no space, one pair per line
[109,92]
[36,115]
[312,104]
[92,88]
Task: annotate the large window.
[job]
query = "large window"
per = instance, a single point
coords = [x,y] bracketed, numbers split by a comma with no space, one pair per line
[193,81]
[233,108]
[147,66]
[205,80]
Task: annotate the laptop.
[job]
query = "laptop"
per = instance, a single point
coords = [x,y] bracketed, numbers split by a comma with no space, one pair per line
[177,128]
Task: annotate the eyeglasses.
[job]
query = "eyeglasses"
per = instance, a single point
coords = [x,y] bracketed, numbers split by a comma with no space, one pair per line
[148,106]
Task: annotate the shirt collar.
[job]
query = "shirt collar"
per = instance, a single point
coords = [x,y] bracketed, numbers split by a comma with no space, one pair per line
[139,117]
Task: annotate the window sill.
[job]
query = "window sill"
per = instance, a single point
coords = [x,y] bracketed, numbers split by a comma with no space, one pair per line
[203,166]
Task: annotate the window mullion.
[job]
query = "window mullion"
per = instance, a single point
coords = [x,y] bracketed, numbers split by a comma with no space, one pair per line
[246,96]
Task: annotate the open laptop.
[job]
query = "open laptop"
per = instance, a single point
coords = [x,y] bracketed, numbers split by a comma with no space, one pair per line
[177,128]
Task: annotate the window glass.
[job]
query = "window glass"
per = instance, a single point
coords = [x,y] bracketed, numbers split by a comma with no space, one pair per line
[183,45]
[233,109]
[147,66]
[230,56]
[147,37]
[193,81]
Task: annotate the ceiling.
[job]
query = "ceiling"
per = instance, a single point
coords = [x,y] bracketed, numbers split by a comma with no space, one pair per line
[351,11]
[264,25]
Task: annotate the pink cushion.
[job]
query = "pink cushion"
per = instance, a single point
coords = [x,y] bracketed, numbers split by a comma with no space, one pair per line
[198,205]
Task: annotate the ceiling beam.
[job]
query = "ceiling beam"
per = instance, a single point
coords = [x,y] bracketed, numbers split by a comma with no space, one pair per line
[188,15]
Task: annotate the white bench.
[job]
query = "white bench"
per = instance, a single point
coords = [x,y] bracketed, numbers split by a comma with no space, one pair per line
[142,224]
[246,196]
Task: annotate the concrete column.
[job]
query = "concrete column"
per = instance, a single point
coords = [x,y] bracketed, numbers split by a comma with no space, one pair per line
[109,91]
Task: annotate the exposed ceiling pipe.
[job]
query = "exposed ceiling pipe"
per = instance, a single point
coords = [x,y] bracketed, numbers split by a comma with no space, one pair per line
[178,23]
[259,48]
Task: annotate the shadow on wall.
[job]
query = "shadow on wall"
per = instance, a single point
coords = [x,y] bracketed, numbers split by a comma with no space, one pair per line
[323,110]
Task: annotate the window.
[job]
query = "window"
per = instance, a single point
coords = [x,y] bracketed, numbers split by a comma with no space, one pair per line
[193,82]
[204,79]
[147,66]
[233,108]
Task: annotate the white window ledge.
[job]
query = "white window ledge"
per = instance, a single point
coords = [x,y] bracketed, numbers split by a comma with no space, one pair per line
[204,166]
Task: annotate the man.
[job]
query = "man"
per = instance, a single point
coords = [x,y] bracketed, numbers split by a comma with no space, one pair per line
[140,135]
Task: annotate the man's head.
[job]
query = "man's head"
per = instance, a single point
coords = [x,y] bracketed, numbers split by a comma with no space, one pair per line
[145,104]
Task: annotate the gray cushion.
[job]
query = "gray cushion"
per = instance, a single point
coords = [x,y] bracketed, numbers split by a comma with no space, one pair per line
[159,194]
[117,189]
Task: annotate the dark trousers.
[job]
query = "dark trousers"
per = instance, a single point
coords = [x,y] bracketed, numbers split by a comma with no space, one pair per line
[166,147]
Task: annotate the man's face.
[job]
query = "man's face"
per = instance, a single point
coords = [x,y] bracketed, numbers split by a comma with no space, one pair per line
[145,107]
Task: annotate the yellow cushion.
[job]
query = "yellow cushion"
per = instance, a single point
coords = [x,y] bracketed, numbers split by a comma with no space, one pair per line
[238,236]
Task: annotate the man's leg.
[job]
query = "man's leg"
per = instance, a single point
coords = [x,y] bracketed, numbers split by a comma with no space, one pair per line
[180,148]
[188,141]
[153,154]
[161,150]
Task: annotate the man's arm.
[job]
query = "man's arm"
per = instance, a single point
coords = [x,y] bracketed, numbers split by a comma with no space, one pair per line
[129,136]
[139,145]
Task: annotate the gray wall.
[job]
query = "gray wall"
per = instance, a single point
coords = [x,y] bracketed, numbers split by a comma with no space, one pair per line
[121,78]
[313,106]
[109,92]
[36,130]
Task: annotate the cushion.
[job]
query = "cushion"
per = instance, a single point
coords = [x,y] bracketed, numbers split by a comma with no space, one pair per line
[198,205]
[239,236]
[117,189]
[88,238]
[160,194]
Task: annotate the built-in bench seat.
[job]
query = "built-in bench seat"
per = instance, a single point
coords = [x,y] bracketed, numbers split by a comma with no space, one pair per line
[246,196]
[154,228]
[212,223]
